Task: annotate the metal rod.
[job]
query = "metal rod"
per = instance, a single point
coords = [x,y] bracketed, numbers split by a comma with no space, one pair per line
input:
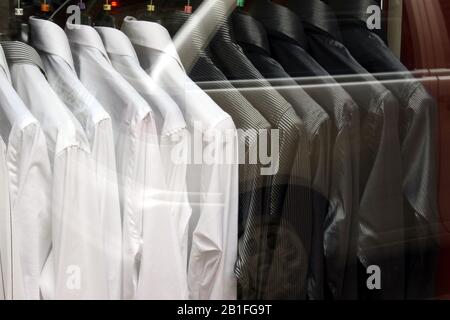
[59,8]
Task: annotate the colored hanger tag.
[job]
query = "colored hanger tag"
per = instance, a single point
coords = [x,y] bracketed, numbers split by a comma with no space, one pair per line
[18,11]
[188,7]
[45,7]
[82,5]
[240,3]
[151,7]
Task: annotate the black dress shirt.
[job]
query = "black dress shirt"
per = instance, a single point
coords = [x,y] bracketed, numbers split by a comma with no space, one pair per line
[251,220]
[251,182]
[288,203]
[418,127]
[381,219]
[251,36]
[286,45]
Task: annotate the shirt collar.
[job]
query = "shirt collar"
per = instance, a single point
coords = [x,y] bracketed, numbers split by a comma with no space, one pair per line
[3,64]
[318,15]
[116,42]
[250,31]
[85,36]
[151,35]
[224,32]
[17,52]
[48,37]
[279,20]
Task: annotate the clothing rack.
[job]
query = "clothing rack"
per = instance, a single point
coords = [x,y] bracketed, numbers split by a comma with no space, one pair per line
[355,185]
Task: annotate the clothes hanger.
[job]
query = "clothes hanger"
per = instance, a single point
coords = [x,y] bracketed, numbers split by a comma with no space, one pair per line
[158,16]
[175,11]
[19,24]
[240,5]
[22,28]
[151,14]
[105,18]
[44,10]
[188,8]
[18,11]
[17,21]
[85,18]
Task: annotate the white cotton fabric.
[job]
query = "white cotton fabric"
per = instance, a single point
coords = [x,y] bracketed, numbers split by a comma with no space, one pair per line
[76,266]
[170,123]
[51,42]
[29,176]
[212,185]
[152,264]
[5,231]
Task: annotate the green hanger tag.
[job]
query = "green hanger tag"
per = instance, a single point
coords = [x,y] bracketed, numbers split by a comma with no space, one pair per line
[240,3]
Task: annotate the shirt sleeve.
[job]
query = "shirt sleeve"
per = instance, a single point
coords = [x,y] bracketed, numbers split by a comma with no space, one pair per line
[153,261]
[30,175]
[174,149]
[214,241]
[381,220]
[78,253]
[103,152]
[5,224]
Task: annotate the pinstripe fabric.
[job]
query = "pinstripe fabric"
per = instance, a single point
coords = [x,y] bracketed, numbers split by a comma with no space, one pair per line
[288,204]
[19,52]
[247,118]
[267,282]
[251,36]
[381,221]
[205,20]
[339,240]
[251,181]
[418,128]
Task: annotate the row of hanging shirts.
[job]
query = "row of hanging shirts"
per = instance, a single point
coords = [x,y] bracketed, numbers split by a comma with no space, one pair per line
[95,206]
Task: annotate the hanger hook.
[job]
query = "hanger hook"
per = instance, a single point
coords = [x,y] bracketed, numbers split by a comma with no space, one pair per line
[18,11]
[188,7]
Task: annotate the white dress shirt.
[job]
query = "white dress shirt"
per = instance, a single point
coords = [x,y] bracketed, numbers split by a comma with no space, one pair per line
[51,42]
[5,225]
[212,185]
[76,266]
[29,177]
[152,264]
[169,120]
